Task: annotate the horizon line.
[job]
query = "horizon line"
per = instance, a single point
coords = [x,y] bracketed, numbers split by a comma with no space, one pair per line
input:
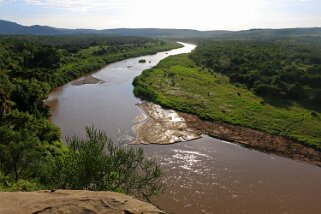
[164,28]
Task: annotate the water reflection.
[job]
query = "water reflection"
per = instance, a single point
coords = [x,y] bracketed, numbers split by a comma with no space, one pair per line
[212,176]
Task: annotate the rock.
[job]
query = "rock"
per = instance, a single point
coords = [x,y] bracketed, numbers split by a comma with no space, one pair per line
[161,126]
[73,201]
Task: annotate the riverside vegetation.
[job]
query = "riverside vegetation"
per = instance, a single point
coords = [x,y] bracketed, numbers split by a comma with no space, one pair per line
[31,153]
[271,86]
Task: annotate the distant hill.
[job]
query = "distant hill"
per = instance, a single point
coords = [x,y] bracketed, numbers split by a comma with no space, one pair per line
[267,33]
[156,32]
[12,28]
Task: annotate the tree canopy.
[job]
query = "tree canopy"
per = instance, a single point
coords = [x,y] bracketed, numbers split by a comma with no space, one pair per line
[278,68]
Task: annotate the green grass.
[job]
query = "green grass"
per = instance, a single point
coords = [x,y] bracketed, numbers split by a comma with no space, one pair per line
[178,83]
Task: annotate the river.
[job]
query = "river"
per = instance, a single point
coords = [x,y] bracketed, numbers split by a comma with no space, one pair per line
[202,176]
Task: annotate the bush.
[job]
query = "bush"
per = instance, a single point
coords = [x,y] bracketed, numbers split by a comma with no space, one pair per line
[9,184]
[98,164]
[268,90]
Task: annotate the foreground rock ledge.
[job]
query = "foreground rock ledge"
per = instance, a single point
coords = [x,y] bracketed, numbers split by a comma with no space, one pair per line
[73,201]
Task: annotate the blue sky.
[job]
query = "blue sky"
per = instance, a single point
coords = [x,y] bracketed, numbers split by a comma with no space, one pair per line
[200,14]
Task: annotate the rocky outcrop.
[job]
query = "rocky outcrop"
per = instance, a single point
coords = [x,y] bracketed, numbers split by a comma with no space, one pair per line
[161,126]
[73,201]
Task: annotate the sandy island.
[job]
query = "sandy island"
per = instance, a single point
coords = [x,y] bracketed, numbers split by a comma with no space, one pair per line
[87,80]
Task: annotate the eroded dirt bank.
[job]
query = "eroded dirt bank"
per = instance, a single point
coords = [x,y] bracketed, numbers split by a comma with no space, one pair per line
[253,139]
[162,126]
[73,201]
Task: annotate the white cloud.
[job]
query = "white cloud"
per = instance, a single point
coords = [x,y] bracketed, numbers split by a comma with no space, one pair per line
[200,14]
[6,1]
[80,5]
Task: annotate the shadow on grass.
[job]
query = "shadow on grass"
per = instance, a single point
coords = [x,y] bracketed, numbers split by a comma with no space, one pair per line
[286,103]
[278,102]
[314,108]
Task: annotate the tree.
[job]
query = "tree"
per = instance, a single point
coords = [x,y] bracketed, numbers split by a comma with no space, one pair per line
[45,57]
[98,164]
[6,88]
[30,95]
[20,153]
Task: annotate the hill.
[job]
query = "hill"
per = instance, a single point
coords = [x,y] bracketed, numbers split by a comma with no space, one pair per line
[12,28]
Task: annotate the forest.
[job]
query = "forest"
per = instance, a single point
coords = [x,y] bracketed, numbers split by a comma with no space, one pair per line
[30,144]
[287,69]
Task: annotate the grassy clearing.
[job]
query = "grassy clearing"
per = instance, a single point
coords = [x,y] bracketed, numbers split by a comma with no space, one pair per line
[177,82]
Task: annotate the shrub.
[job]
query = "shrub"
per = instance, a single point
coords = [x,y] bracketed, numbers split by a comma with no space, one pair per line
[98,164]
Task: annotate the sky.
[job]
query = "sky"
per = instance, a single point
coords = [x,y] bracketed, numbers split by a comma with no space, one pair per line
[187,14]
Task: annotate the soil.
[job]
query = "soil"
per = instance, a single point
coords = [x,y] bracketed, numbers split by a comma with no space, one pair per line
[254,139]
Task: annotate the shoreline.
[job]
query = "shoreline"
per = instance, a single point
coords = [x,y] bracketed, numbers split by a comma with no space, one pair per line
[90,72]
[151,128]
[253,139]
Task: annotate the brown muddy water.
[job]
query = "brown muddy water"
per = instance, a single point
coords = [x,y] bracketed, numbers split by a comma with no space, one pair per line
[202,176]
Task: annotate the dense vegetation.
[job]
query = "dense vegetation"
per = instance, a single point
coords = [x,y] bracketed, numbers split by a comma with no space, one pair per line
[98,164]
[29,68]
[285,69]
[179,83]
[94,164]
[57,60]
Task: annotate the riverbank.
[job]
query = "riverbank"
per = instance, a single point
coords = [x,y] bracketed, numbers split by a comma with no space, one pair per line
[163,126]
[92,59]
[179,84]
[253,139]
